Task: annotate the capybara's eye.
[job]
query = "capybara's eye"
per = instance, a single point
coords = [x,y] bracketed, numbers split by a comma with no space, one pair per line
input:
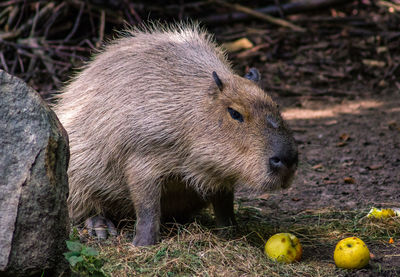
[235,115]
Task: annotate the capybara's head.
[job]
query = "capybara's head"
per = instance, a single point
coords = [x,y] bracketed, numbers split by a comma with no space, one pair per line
[242,137]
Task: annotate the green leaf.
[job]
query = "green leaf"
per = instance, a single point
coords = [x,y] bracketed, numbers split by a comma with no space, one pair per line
[74,236]
[160,254]
[71,253]
[98,263]
[98,274]
[74,245]
[89,251]
[74,260]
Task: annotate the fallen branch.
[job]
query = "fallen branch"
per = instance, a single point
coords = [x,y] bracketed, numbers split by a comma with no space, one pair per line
[288,8]
[3,61]
[255,49]
[44,11]
[389,5]
[265,17]
[9,3]
[76,24]
[101,29]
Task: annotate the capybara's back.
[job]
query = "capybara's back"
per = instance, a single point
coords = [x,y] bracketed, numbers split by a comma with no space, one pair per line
[159,125]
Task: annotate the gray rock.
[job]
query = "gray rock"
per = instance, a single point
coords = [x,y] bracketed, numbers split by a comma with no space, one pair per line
[34,157]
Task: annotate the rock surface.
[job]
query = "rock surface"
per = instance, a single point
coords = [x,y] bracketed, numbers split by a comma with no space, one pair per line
[34,157]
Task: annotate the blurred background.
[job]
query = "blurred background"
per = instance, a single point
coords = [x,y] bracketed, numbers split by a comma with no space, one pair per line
[330,47]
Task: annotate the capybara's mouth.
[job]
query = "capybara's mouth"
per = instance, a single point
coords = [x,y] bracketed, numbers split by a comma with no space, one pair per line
[283,172]
[281,179]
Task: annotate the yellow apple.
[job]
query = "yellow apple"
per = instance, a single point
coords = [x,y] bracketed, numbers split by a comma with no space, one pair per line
[381,213]
[351,253]
[283,247]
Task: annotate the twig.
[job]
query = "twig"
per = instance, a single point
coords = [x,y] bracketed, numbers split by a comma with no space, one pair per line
[389,5]
[3,61]
[31,66]
[18,45]
[114,16]
[21,64]
[101,29]
[246,53]
[287,8]
[278,4]
[49,7]
[69,48]
[76,24]
[88,42]
[53,18]
[353,20]
[194,5]
[268,18]
[133,11]
[6,10]
[14,66]
[65,54]
[129,16]
[21,15]
[12,2]
[47,61]
[11,16]
[35,20]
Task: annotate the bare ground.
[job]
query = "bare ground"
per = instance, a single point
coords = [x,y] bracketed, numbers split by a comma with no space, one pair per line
[339,89]
[349,161]
[350,154]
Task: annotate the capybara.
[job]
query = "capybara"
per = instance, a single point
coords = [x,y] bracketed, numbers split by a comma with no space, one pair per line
[160,126]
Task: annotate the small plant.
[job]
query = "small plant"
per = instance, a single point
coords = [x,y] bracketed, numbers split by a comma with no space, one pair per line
[84,260]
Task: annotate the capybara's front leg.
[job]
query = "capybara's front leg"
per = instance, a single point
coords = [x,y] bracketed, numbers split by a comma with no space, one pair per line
[148,214]
[222,202]
[147,226]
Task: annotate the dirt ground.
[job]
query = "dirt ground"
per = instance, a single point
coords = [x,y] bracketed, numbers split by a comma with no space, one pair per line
[349,161]
[348,132]
[349,154]
[339,89]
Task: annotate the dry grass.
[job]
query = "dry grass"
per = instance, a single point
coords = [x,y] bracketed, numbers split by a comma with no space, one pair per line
[198,249]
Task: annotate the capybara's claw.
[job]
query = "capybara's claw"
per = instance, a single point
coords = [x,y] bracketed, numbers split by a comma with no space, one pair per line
[100,227]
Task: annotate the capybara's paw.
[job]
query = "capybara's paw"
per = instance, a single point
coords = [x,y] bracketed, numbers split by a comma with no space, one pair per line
[145,239]
[100,227]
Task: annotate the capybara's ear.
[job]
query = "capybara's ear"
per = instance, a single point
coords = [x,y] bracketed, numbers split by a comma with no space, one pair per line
[218,81]
[253,75]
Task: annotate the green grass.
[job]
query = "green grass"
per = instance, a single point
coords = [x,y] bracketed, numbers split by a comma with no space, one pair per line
[198,249]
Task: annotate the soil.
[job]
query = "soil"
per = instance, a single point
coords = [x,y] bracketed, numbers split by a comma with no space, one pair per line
[349,161]
[349,154]
[339,89]
[344,110]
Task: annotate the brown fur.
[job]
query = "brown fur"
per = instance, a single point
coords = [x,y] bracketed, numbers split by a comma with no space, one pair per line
[148,125]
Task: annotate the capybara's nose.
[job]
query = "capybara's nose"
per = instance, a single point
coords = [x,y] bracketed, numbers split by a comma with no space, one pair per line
[284,159]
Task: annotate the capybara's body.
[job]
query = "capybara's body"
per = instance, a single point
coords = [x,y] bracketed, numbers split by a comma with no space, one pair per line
[160,125]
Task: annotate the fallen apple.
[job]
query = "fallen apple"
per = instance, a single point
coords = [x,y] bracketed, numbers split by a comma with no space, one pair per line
[283,247]
[351,253]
